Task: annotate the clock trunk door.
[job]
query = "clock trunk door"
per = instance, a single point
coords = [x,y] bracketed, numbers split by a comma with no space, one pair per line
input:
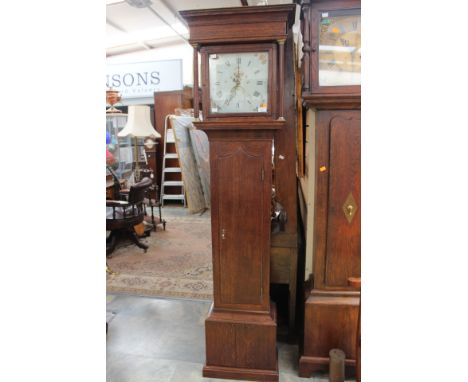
[344,198]
[241,197]
[338,205]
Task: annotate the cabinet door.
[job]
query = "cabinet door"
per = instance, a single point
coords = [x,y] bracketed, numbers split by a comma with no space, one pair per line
[241,195]
[338,199]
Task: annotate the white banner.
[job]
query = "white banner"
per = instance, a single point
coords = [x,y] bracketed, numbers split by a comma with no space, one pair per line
[142,79]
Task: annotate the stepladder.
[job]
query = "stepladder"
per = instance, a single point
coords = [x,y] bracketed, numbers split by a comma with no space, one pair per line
[172,185]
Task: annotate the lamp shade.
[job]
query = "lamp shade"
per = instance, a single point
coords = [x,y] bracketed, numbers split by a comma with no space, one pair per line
[139,123]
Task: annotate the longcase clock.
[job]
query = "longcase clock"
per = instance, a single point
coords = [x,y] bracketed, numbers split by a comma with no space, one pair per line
[331,92]
[242,65]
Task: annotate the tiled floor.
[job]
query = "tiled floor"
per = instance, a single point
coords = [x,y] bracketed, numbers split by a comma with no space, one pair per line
[162,340]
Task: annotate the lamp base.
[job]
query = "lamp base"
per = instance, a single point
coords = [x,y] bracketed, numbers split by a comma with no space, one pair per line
[112,109]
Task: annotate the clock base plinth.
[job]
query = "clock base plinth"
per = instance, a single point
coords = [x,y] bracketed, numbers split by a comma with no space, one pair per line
[241,345]
[330,322]
[240,374]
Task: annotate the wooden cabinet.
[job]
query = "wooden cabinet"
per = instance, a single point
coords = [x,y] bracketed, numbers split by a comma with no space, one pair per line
[331,88]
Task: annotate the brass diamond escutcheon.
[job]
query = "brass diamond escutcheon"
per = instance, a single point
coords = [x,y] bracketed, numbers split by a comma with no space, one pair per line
[350,208]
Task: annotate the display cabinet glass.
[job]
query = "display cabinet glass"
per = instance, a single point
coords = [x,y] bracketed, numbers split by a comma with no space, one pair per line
[121,148]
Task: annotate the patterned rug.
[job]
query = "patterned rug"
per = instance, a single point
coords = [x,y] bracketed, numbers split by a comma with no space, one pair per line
[176,264]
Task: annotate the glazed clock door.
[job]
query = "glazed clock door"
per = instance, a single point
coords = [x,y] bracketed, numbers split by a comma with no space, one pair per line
[340,48]
[335,38]
[240,239]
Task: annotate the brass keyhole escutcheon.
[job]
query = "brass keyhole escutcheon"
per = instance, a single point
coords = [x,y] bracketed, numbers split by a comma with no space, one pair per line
[223,234]
[350,207]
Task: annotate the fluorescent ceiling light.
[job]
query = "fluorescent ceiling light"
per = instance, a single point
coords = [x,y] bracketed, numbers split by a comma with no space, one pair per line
[139,3]
[149,34]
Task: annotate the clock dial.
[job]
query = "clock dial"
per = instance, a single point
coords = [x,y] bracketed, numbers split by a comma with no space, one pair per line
[340,48]
[239,82]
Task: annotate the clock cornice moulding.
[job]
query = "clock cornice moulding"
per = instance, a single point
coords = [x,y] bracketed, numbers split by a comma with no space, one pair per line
[208,26]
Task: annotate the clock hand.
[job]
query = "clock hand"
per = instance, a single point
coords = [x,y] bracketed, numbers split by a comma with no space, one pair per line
[232,94]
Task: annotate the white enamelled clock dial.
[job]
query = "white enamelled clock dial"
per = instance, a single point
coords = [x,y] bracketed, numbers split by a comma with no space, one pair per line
[238,82]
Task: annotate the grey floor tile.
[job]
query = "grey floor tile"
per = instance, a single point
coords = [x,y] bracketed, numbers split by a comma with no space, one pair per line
[163,340]
[288,358]
[129,368]
[135,335]
[183,344]
[186,371]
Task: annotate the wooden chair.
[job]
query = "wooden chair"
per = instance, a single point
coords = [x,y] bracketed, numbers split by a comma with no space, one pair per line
[152,201]
[355,282]
[152,204]
[122,216]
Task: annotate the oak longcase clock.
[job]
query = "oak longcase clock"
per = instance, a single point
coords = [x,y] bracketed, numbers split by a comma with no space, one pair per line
[242,65]
[331,94]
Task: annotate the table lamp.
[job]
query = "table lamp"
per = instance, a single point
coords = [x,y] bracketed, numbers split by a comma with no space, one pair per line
[138,126]
[112,97]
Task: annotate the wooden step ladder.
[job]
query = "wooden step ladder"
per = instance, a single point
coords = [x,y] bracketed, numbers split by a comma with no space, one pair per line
[169,139]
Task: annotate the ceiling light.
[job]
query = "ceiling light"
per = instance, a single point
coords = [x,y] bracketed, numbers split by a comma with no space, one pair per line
[139,3]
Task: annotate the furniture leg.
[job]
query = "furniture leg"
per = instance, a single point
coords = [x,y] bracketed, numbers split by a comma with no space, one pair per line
[112,241]
[161,219]
[109,270]
[152,218]
[136,241]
